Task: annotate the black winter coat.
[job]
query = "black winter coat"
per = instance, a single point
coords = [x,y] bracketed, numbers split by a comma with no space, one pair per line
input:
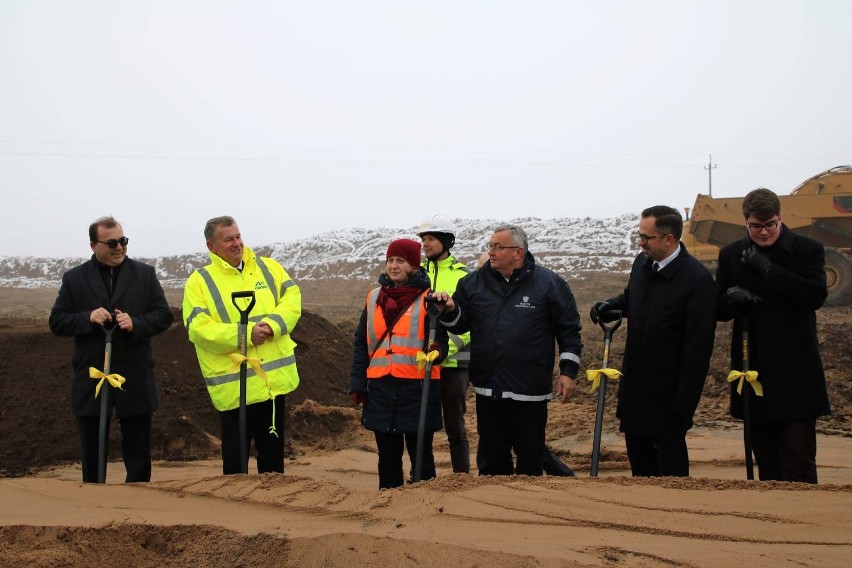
[783,346]
[393,405]
[138,293]
[513,326]
[670,332]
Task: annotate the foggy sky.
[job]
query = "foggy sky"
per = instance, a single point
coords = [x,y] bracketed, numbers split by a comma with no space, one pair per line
[304,117]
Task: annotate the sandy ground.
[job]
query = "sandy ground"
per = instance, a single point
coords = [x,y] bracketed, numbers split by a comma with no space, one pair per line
[326,509]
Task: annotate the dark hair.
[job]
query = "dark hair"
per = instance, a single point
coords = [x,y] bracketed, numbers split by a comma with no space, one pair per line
[105,222]
[762,203]
[447,240]
[214,223]
[667,220]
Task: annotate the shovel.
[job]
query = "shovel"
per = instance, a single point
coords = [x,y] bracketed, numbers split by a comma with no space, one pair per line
[609,329]
[106,402]
[746,404]
[242,344]
[434,312]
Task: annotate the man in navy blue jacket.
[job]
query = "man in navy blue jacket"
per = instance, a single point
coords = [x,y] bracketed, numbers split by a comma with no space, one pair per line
[515,310]
[670,306]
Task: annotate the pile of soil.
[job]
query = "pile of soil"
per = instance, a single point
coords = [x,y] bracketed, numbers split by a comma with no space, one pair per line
[38,428]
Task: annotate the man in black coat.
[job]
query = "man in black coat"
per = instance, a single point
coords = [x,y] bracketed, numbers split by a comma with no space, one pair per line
[774,280]
[669,303]
[112,290]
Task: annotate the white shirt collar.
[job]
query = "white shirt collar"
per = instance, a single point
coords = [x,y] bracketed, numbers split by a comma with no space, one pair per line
[665,262]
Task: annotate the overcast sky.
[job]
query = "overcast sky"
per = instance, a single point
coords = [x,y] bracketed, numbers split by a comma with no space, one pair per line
[303,117]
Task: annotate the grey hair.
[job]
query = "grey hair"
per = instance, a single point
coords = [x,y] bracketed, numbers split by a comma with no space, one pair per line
[519,237]
[216,222]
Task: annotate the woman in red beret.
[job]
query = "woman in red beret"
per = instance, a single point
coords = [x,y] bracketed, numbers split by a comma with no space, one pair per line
[387,374]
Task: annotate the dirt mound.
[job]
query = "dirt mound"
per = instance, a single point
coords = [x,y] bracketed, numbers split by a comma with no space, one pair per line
[38,429]
[138,545]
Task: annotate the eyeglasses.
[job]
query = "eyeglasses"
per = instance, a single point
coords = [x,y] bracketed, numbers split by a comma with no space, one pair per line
[498,247]
[647,238]
[757,227]
[113,243]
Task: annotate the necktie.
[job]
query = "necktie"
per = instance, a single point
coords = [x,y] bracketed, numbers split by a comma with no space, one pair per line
[655,267]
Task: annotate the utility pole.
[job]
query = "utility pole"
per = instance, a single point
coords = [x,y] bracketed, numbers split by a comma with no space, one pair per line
[710,167]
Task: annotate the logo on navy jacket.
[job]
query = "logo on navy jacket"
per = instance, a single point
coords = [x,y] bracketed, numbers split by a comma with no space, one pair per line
[525,304]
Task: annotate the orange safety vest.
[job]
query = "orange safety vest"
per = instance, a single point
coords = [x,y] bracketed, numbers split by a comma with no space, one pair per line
[397,353]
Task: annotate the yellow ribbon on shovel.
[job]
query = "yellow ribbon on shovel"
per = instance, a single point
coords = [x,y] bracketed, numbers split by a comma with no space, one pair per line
[254,363]
[422,358]
[594,375]
[750,376]
[114,379]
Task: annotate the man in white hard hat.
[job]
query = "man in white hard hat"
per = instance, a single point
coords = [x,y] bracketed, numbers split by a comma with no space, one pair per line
[438,234]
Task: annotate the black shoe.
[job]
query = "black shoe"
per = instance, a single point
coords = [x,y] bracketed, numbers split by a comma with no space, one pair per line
[554,466]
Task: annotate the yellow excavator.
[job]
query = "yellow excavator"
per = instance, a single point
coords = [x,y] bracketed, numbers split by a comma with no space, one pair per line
[819,208]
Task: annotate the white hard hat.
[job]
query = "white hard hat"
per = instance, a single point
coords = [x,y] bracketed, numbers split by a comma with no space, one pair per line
[437,224]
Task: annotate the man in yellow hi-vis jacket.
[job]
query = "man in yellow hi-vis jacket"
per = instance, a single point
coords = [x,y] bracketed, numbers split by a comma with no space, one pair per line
[212,322]
[438,234]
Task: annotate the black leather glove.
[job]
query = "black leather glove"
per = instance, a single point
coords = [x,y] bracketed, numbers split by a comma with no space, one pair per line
[756,259]
[602,311]
[738,295]
[740,300]
[597,309]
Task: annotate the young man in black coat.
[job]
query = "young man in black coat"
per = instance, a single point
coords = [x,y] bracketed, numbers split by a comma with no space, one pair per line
[111,289]
[669,303]
[774,280]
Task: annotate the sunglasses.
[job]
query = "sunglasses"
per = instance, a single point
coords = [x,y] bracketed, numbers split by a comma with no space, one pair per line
[113,243]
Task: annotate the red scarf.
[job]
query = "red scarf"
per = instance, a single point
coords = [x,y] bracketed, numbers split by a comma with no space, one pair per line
[395,299]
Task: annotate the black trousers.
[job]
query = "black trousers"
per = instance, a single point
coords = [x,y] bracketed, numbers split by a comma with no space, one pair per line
[655,457]
[504,426]
[269,446]
[785,451]
[135,446]
[391,445]
[454,382]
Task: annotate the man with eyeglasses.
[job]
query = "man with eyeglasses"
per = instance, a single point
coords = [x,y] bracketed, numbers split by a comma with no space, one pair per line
[669,303]
[515,310]
[773,281]
[112,290]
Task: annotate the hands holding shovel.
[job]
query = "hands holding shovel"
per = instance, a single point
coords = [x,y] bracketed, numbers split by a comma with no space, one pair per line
[260,333]
[103,317]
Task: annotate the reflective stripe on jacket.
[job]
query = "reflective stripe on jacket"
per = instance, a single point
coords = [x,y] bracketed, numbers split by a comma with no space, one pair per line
[397,353]
[212,321]
[444,276]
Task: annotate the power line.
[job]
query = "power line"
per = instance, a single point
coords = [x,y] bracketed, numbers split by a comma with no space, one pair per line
[710,167]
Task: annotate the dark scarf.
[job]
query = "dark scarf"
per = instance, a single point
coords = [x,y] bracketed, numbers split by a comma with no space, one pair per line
[394,300]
